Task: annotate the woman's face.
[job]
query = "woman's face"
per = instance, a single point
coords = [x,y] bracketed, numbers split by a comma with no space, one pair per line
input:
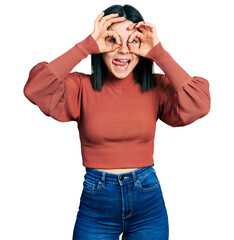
[117,68]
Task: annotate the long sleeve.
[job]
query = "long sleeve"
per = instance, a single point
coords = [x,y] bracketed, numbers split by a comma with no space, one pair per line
[182,98]
[55,90]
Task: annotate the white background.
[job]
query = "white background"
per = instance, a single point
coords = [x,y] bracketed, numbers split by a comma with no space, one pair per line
[41,171]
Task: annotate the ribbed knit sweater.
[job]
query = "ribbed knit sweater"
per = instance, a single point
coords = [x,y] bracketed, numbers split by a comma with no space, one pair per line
[117,124]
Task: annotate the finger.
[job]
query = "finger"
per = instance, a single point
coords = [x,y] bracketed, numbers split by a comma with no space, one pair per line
[131,26]
[99,17]
[114,20]
[134,25]
[133,49]
[114,35]
[114,47]
[142,29]
[109,16]
[139,25]
[135,34]
[149,25]
[142,23]
[146,25]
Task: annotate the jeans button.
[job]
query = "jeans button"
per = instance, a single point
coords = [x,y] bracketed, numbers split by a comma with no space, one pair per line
[122,178]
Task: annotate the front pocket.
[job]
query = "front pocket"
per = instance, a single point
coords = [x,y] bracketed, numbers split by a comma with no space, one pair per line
[149,182]
[90,185]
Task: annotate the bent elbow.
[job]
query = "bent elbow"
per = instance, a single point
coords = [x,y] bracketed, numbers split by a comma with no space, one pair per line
[27,91]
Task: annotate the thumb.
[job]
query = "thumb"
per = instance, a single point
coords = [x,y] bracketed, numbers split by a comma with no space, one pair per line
[133,49]
[112,48]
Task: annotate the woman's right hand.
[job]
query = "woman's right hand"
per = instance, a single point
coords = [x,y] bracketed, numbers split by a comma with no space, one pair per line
[100,32]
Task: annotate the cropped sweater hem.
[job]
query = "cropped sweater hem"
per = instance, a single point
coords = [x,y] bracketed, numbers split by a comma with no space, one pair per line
[132,164]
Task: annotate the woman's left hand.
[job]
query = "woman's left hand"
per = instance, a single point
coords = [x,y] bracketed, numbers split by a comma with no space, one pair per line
[148,37]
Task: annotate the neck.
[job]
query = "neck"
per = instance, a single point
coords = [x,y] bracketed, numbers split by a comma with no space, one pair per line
[111,79]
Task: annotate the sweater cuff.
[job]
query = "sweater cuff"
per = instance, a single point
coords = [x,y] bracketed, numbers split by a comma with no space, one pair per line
[176,74]
[156,53]
[88,46]
[63,65]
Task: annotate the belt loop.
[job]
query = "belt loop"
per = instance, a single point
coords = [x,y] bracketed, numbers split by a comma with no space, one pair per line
[134,178]
[103,178]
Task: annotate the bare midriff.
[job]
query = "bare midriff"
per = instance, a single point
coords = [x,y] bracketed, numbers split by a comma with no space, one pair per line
[117,171]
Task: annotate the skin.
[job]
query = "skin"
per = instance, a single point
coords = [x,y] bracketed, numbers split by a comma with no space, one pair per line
[117,37]
[148,35]
[123,51]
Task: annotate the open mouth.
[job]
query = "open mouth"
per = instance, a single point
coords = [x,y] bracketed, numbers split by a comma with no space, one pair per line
[121,64]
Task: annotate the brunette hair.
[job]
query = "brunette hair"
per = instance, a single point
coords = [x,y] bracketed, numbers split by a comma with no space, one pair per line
[142,72]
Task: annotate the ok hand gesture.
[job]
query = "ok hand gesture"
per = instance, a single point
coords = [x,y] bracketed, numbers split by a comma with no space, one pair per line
[100,32]
[148,37]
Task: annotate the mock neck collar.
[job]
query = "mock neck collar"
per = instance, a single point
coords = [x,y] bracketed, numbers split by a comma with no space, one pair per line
[119,82]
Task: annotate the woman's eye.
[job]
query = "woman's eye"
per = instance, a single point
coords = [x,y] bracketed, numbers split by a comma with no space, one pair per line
[134,41]
[112,40]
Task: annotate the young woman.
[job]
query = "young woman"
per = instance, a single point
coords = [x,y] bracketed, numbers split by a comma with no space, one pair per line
[116,109]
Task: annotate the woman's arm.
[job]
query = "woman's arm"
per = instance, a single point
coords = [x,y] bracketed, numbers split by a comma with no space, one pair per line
[64,64]
[182,98]
[55,90]
[52,87]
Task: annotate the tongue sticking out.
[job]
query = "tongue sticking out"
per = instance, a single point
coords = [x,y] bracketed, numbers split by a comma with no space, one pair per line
[118,63]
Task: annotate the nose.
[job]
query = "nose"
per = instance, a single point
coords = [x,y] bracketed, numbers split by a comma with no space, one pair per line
[124,48]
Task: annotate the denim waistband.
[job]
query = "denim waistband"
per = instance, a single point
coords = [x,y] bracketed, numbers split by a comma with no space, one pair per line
[123,177]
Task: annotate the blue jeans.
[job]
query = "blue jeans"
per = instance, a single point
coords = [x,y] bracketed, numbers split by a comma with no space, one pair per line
[130,203]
